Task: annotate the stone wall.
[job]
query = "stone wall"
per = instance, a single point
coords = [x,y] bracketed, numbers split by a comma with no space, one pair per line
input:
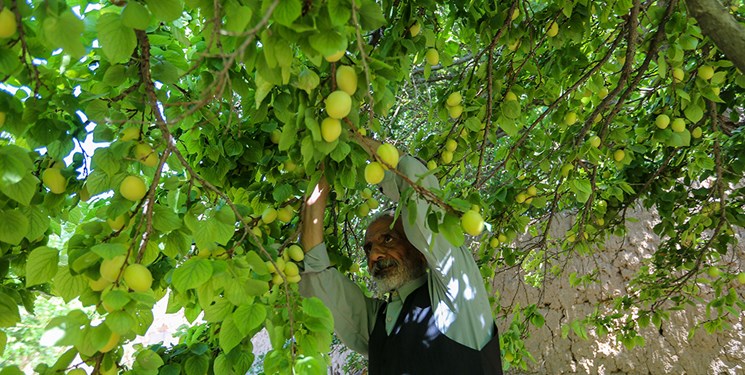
[667,351]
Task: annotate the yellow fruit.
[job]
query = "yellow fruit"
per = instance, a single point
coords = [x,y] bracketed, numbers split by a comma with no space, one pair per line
[456,111]
[552,30]
[133,188]
[472,223]
[532,191]
[451,145]
[277,279]
[110,268]
[706,72]
[374,173]
[494,242]
[741,278]
[296,253]
[595,141]
[330,129]
[515,14]
[146,155]
[275,136]
[294,279]
[98,285]
[446,157]
[502,238]
[602,93]
[415,29]
[388,154]
[570,118]
[513,45]
[714,272]
[270,267]
[678,125]
[662,121]
[289,165]
[454,99]
[53,179]
[510,96]
[678,75]
[111,344]
[346,79]
[2,119]
[280,264]
[204,253]
[366,193]
[129,134]
[363,210]
[291,269]
[338,104]
[618,155]
[431,165]
[118,223]
[8,23]
[285,214]
[354,268]
[335,56]
[696,132]
[521,197]
[715,90]
[509,357]
[432,56]
[138,277]
[372,203]
[362,131]
[269,215]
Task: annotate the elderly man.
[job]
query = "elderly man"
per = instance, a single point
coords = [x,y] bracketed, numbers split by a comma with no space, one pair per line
[436,319]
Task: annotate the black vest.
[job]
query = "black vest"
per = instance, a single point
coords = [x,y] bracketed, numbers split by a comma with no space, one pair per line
[416,346]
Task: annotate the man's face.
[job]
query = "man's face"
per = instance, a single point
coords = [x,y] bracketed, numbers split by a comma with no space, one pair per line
[391,258]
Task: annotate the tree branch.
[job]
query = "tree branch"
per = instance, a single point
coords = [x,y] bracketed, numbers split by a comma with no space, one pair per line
[723,29]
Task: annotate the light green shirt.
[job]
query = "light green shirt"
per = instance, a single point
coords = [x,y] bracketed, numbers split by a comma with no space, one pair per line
[459,301]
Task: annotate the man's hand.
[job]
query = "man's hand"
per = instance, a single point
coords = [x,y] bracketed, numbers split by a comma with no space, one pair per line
[311,233]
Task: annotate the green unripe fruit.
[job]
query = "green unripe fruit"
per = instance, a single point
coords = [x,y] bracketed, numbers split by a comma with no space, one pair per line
[706,72]
[431,165]
[552,30]
[291,269]
[451,145]
[570,118]
[330,129]
[432,56]
[454,99]
[662,121]
[133,188]
[619,155]
[53,179]
[296,253]
[678,75]
[129,134]
[697,132]
[146,155]
[366,193]
[446,157]
[415,29]
[110,268]
[374,173]
[678,125]
[338,104]
[346,79]
[138,277]
[509,96]
[8,24]
[455,111]
[388,154]
[472,223]
[595,141]
[269,215]
[334,57]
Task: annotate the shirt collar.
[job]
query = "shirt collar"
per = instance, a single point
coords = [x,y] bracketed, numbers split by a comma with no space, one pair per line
[409,287]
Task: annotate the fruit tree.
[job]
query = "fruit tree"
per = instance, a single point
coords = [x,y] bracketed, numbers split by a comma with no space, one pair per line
[161,149]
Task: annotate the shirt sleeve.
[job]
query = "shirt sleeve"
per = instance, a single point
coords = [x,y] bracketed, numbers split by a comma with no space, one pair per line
[353,312]
[459,298]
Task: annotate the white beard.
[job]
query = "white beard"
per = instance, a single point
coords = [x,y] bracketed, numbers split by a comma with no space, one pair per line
[398,275]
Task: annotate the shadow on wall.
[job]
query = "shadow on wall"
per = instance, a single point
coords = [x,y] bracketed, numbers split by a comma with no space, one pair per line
[668,349]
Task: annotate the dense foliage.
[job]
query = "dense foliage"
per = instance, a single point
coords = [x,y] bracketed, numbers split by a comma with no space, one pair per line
[169,143]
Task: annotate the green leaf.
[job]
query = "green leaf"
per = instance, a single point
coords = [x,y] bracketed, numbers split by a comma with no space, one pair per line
[328,42]
[192,274]
[3,342]
[147,360]
[208,230]
[41,265]
[135,15]
[230,335]
[309,365]
[65,32]
[15,164]
[21,191]
[120,322]
[256,263]
[38,221]
[109,250]
[118,41]
[511,109]
[116,299]
[340,11]
[13,226]
[694,112]
[249,317]
[371,16]
[165,10]
[237,17]
[282,192]
[9,315]
[452,231]
[307,80]
[67,285]
[164,219]
[682,139]
[287,11]
[197,365]
[218,311]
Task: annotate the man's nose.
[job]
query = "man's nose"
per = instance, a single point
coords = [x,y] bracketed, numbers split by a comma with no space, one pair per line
[375,255]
